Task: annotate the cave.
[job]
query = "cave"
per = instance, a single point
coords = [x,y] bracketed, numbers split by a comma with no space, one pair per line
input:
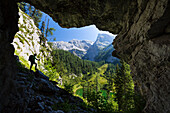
[143,40]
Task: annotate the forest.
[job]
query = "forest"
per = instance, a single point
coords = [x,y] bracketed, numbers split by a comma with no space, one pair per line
[103,86]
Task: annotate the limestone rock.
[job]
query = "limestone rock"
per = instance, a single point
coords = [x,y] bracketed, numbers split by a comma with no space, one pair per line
[27,41]
[146,46]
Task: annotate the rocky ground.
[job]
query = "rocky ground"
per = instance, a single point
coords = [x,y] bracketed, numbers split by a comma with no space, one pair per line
[35,93]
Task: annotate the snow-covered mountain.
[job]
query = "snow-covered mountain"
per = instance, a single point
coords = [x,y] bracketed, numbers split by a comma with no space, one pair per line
[100,50]
[102,41]
[77,47]
[82,44]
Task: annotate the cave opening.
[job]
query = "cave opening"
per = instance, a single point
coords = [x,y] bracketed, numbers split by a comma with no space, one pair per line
[87,70]
[143,38]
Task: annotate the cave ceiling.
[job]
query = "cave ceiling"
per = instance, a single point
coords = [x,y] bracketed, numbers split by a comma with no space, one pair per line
[108,15]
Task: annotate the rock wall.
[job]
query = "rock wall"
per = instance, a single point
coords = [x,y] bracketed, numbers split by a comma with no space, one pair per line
[105,14]
[146,46]
[143,40]
[8,28]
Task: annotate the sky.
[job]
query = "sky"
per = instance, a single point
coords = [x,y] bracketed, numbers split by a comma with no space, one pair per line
[66,34]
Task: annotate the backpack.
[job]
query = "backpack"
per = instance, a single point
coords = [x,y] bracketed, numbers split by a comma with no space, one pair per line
[31,58]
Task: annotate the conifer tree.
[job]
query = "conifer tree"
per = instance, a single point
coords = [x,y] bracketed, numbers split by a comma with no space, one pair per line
[124,87]
[110,81]
[37,15]
[34,13]
[97,84]
[49,31]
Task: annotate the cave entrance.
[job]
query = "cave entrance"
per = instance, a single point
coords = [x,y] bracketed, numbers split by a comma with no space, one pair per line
[78,59]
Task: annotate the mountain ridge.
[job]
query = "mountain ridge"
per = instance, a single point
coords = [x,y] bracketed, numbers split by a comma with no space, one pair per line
[88,50]
[76,47]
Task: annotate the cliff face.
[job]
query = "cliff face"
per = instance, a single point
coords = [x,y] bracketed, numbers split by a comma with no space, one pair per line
[143,39]
[27,41]
[146,46]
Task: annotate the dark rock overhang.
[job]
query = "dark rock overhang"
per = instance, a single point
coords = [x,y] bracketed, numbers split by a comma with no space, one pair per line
[108,15]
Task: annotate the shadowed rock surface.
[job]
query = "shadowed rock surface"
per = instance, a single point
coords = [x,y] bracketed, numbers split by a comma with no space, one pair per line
[143,40]
[36,94]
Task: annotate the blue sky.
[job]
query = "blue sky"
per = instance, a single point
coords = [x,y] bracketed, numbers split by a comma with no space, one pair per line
[65,34]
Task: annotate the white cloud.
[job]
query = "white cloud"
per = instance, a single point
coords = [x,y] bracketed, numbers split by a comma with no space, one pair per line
[107,32]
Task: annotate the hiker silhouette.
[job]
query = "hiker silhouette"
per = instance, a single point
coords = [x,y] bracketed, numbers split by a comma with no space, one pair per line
[32,59]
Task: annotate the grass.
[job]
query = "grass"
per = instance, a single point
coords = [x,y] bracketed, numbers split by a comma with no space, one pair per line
[80,92]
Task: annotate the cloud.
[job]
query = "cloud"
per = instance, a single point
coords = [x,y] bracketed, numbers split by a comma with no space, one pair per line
[108,33]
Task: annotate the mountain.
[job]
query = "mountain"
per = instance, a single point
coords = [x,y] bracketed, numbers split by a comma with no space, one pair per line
[77,47]
[106,55]
[82,44]
[103,40]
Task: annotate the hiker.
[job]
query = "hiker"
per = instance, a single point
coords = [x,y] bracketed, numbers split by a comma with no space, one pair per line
[32,59]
